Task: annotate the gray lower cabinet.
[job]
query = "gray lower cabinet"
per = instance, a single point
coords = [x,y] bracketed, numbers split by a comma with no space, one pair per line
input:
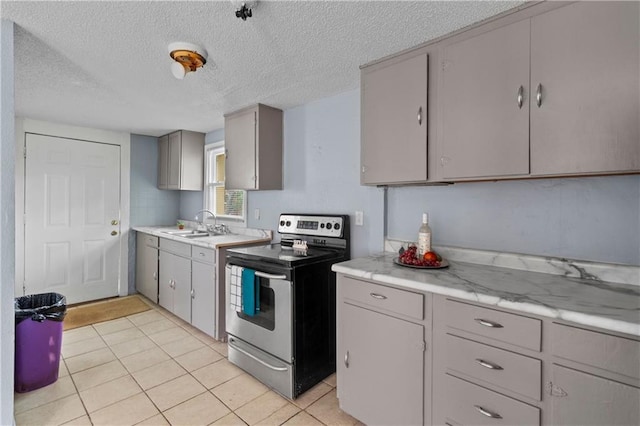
[483,366]
[253,143]
[394,121]
[147,266]
[174,293]
[381,367]
[586,399]
[204,302]
[380,353]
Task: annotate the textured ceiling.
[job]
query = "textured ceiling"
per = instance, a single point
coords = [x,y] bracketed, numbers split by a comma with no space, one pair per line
[105,64]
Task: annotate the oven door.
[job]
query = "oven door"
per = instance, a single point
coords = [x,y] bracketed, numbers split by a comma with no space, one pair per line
[270,329]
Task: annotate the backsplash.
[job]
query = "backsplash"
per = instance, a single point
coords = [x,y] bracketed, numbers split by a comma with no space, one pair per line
[607,272]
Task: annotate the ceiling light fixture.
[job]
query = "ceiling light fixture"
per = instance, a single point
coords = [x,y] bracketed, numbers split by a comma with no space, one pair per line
[188,57]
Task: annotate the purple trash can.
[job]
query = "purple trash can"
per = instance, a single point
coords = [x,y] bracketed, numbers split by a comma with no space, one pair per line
[38,340]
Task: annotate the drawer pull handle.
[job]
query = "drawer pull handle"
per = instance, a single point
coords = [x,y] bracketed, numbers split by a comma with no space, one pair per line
[346,359]
[489,365]
[487,413]
[378,296]
[488,323]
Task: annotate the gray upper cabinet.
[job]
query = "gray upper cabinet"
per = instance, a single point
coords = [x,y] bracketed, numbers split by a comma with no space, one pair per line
[585,59]
[181,161]
[253,140]
[394,121]
[485,119]
[555,93]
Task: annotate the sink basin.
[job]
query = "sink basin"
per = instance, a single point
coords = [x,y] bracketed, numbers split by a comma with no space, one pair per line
[187,233]
[196,235]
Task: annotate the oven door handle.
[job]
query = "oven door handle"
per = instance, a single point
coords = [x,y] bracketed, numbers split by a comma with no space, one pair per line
[271,276]
[255,358]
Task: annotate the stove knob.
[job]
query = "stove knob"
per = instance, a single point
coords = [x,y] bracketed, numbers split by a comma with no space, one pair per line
[336,226]
[328,226]
[322,225]
[288,223]
[282,223]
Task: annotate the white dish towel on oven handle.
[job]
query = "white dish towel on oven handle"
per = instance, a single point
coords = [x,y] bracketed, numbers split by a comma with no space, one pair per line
[235,285]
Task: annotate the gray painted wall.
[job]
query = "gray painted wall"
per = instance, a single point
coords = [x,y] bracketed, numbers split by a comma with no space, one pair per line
[7,221]
[321,172]
[589,218]
[149,205]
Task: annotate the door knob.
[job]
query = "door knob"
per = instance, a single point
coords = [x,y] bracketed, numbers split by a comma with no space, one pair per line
[114,233]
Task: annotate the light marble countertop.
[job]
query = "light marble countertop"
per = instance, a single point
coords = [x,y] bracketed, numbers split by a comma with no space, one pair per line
[596,303]
[249,236]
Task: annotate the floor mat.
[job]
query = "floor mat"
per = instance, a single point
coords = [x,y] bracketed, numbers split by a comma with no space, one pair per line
[92,313]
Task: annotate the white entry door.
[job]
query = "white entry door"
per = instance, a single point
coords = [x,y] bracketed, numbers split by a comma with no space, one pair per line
[72,218]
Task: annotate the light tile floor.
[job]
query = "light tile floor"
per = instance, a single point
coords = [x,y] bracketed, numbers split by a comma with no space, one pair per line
[152,368]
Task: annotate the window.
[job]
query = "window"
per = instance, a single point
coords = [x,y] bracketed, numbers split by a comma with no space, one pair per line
[229,204]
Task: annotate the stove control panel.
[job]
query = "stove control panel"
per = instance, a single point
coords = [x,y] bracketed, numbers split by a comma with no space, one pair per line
[325,226]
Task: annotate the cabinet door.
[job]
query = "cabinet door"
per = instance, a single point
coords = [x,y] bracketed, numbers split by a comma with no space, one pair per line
[146,268]
[380,367]
[181,270]
[203,305]
[582,399]
[163,162]
[175,161]
[485,113]
[394,122]
[240,143]
[585,57]
[165,280]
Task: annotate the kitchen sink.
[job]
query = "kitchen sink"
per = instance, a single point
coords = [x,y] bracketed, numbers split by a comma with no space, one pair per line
[187,233]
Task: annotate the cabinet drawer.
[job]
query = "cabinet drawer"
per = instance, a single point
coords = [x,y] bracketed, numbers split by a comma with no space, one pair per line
[175,247]
[474,405]
[387,298]
[600,350]
[511,371]
[509,328]
[203,254]
[150,240]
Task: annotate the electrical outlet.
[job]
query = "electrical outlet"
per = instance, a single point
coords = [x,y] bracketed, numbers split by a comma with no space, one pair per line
[359,218]
[256,214]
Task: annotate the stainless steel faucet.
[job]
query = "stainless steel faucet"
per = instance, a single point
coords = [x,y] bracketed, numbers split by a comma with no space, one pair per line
[201,223]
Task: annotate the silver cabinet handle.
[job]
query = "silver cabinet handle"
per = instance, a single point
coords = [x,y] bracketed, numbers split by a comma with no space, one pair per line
[193,294]
[488,323]
[257,359]
[539,95]
[420,116]
[378,296]
[270,276]
[346,359]
[487,413]
[520,96]
[489,365]
[155,276]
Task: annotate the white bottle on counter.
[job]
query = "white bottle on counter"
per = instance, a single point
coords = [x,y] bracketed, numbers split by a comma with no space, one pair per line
[424,236]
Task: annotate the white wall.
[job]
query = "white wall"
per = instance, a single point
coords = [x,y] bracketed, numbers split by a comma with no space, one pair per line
[7,221]
[321,172]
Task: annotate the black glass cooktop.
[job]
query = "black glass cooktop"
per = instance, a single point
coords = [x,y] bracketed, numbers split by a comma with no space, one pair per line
[275,253]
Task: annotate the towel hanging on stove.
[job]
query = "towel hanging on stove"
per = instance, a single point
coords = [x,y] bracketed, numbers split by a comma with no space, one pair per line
[250,292]
[235,296]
